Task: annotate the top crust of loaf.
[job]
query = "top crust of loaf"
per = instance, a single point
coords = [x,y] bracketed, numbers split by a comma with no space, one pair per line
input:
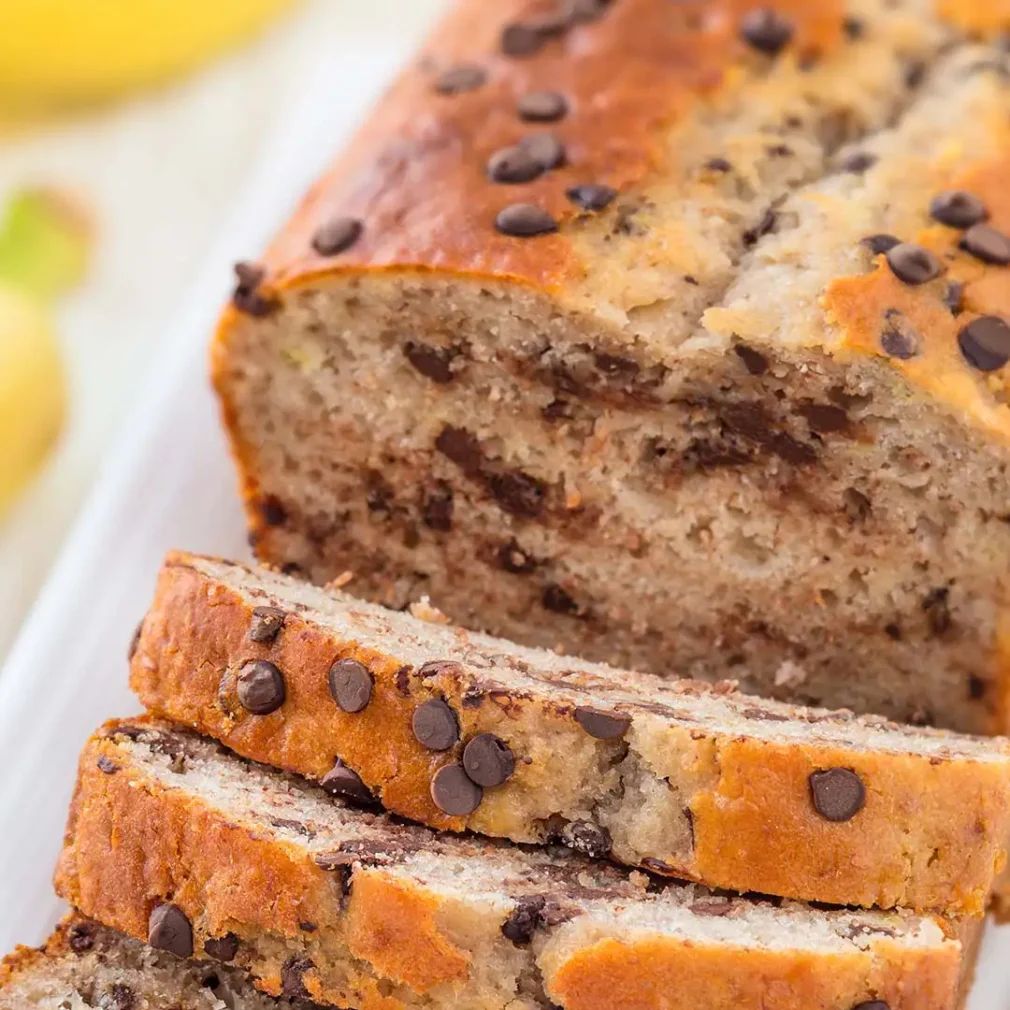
[691,780]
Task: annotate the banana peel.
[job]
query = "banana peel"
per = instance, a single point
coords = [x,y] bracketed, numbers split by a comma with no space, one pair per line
[60,53]
[45,241]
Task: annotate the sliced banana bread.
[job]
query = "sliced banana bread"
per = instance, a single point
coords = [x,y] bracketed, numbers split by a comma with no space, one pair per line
[460,730]
[86,966]
[674,334]
[173,840]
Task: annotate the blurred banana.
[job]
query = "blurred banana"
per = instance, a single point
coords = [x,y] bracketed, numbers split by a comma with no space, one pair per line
[59,52]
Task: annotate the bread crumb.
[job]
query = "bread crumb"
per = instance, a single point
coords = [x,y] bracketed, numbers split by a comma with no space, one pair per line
[340,581]
[790,675]
[423,610]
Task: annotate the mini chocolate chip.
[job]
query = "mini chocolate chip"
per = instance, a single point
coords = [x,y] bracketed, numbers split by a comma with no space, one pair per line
[513,165]
[337,236]
[247,297]
[986,244]
[881,243]
[81,938]
[985,343]
[898,338]
[588,838]
[957,208]
[454,792]
[433,363]
[912,264]
[518,493]
[711,907]
[488,760]
[762,228]
[545,149]
[719,165]
[953,297]
[350,685]
[824,418]
[872,1004]
[169,929]
[308,927]
[524,918]
[271,511]
[221,948]
[434,725]
[559,600]
[854,28]
[520,39]
[838,794]
[515,560]
[107,765]
[976,687]
[266,624]
[766,31]
[523,220]
[456,80]
[542,107]
[293,977]
[346,782]
[755,363]
[859,162]
[120,997]
[914,74]
[261,687]
[603,725]
[462,447]
[591,196]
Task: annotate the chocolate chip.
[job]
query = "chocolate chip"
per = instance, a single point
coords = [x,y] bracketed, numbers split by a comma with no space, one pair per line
[261,687]
[898,338]
[913,264]
[558,600]
[542,107]
[293,977]
[914,74]
[271,511]
[854,28]
[169,929]
[520,39]
[591,196]
[513,165]
[719,165]
[588,838]
[346,782]
[266,624]
[81,938]
[433,363]
[518,493]
[438,507]
[515,560]
[107,765]
[986,244]
[872,1004]
[350,685]
[985,343]
[545,149]
[824,418]
[881,243]
[766,31]
[755,363]
[434,725]
[221,948]
[337,235]
[247,297]
[523,220]
[859,162]
[454,792]
[603,725]
[711,907]
[524,918]
[953,297]
[488,760]
[957,208]
[762,228]
[838,794]
[976,687]
[120,998]
[456,80]
[462,447]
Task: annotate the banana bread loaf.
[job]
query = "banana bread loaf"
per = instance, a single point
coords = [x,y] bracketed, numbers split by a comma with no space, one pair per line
[672,334]
[174,841]
[464,731]
[85,966]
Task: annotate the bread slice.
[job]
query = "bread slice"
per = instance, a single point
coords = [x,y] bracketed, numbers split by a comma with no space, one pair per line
[705,429]
[173,840]
[676,776]
[86,966]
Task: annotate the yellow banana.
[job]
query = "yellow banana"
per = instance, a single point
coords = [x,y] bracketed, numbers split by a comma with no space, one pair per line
[58,52]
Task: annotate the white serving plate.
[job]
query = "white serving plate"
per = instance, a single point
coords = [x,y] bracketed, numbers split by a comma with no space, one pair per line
[168,483]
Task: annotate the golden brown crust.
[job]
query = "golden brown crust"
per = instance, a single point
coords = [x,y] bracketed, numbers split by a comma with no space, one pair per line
[930,835]
[384,940]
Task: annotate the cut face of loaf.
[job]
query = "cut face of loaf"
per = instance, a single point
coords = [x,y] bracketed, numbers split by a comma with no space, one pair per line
[85,966]
[174,841]
[705,428]
[463,731]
